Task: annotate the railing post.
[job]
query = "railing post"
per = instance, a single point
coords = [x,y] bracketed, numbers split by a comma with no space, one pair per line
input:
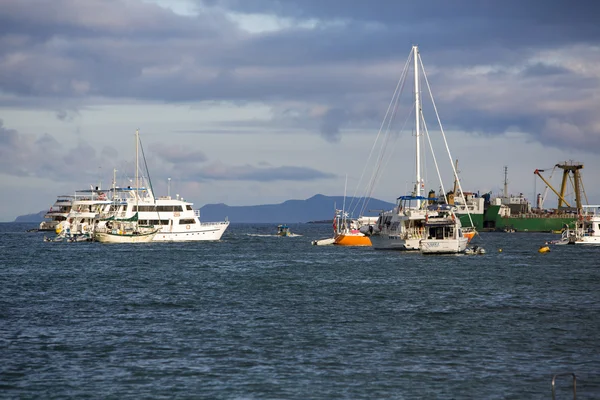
[574,384]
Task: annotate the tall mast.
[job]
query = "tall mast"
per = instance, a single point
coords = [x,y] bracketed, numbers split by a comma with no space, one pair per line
[505,182]
[137,181]
[455,178]
[417,120]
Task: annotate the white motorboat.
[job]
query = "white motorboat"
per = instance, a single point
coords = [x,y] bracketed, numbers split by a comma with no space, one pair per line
[443,231]
[587,227]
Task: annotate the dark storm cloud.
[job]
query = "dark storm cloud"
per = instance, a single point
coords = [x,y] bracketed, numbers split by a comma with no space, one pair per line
[403,11]
[514,23]
[68,51]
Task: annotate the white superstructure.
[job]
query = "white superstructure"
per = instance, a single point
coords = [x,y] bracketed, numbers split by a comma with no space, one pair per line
[57,213]
[176,219]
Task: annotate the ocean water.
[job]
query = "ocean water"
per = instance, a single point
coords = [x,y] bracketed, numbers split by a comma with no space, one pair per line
[256,316]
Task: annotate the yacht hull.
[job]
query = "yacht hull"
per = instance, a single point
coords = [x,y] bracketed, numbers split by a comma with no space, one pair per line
[206,231]
[387,242]
[352,240]
[445,246]
[107,237]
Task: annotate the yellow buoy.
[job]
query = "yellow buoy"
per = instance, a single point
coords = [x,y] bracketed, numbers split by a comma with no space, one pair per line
[544,249]
[499,250]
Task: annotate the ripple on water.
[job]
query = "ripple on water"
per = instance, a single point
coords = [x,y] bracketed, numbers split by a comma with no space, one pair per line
[256,316]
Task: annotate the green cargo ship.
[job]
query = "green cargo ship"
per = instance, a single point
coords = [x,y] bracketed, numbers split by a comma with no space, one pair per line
[514,213]
[492,220]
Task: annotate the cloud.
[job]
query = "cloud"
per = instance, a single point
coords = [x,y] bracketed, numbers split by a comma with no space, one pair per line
[67,115]
[262,173]
[177,154]
[45,157]
[24,155]
[330,71]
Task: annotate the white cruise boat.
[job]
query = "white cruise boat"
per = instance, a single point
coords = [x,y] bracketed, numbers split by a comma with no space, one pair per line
[175,218]
[57,213]
[86,207]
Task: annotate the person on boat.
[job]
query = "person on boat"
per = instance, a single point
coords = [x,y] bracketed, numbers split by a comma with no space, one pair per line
[68,228]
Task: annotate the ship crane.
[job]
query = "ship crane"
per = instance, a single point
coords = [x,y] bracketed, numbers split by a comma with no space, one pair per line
[567,168]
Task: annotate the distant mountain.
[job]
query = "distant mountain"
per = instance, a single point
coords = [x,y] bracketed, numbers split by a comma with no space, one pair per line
[37,218]
[317,208]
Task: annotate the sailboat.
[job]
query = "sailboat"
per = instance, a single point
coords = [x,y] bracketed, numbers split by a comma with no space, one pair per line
[419,223]
[125,230]
[346,231]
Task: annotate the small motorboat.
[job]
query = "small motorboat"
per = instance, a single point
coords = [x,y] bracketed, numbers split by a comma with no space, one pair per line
[283,230]
[475,250]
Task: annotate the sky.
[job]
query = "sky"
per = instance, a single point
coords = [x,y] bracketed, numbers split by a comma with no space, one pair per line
[248,102]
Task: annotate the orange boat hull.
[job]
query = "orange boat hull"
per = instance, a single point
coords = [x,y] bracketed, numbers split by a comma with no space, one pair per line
[352,240]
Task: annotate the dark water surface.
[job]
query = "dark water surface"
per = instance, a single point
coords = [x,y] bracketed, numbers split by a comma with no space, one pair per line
[256,316]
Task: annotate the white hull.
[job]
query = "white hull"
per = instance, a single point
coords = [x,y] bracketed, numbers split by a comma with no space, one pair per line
[206,231]
[324,242]
[588,240]
[106,237]
[386,242]
[444,246]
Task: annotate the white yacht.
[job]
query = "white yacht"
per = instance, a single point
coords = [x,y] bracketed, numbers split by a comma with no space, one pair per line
[57,213]
[443,231]
[175,218]
[403,227]
[87,205]
[587,227]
